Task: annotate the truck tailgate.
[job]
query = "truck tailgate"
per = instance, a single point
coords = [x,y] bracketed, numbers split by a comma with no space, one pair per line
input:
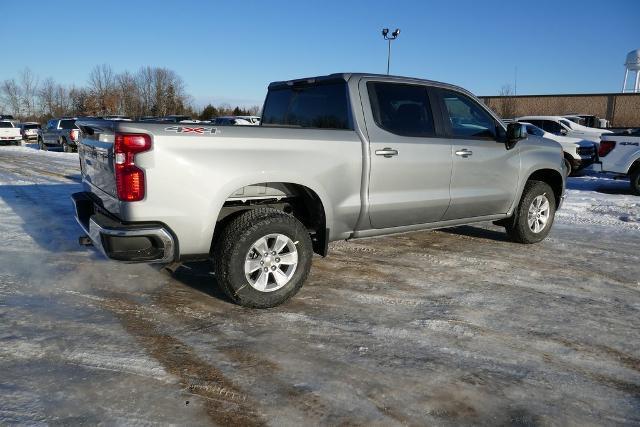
[95,150]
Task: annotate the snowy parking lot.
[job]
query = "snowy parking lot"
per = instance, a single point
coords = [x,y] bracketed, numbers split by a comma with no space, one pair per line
[458,326]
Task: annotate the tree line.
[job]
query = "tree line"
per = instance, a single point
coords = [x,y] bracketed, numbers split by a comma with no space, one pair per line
[151,91]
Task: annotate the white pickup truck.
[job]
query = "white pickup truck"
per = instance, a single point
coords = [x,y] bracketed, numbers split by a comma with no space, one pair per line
[620,155]
[9,133]
[335,157]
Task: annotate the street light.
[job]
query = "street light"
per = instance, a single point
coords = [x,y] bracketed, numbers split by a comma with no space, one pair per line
[394,35]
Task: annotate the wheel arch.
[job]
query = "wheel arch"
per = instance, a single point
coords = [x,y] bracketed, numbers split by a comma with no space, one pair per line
[553,178]
[300,200]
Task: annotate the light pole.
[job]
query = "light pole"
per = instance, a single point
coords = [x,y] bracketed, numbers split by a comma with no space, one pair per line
[394,35]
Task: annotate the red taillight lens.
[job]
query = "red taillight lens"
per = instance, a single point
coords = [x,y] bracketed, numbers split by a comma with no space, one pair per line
[73,134]
[606,147]
[130,178]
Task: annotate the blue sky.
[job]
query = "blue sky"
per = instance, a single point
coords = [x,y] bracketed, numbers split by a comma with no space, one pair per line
[229,51]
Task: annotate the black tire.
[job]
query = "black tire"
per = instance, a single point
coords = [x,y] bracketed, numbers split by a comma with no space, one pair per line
[518,227]
[42,145]
[567,164]
[634,180]
[65,147]
[234,243]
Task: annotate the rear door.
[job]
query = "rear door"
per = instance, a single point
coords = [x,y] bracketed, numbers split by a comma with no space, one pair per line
[485,174]
[410,166]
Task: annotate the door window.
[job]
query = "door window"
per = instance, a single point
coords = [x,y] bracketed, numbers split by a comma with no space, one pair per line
[467,118]
[401,109]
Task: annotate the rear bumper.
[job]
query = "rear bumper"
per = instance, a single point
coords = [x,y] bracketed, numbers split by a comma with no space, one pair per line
[131,242]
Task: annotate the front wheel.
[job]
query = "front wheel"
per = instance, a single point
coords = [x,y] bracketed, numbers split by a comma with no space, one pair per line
[532,220]
[66,147]
[42,145]
[262,258]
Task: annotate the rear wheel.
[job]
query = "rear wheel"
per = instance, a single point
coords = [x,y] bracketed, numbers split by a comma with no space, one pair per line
[262,258]
[41,144]
[634,179]
[66,147]
[532,220]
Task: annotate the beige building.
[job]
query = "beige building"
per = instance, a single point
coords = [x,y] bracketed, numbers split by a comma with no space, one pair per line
[621,109]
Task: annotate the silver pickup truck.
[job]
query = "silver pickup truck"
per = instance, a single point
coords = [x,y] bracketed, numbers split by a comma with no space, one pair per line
[342,156]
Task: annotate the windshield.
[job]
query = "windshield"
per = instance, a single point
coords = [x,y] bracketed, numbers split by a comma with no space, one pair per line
[567,123]
[34,126]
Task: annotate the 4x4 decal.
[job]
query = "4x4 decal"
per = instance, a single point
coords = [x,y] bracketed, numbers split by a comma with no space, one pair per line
[193,130]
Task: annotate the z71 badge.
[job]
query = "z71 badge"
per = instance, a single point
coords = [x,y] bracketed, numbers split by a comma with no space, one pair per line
[193,130]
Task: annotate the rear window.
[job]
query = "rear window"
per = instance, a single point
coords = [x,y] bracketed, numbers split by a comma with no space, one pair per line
[322,106]
[5,125]
[68,124]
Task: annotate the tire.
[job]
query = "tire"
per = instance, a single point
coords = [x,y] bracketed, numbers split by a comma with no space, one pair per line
[533,199]
[65,147]
[235,255]
[634,180]
[41,145]
[567,164]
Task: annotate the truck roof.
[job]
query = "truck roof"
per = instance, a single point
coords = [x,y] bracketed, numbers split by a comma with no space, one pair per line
[348,76]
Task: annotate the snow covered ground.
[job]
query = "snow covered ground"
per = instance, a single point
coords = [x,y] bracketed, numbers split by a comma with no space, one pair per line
[452,327]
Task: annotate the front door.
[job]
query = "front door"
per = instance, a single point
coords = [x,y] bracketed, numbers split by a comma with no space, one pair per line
[410,166]
[485,174]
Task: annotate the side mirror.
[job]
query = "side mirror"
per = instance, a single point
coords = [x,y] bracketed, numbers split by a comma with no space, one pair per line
[515,132]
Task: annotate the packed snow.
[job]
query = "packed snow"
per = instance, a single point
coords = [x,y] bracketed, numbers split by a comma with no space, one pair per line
[452,327]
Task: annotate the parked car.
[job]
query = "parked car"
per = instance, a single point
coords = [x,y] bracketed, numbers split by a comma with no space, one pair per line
[254,120]
[9,133]
[30,131]
[231,121]
[61,133]
[561,126]
[578,153]
[620,155]
[336,157]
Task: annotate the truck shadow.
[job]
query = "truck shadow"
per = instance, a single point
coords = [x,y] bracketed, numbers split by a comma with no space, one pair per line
[199,277]
[477,232]
[45,213]
[600,185]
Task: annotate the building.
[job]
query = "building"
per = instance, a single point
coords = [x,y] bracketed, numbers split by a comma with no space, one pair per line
[621,109]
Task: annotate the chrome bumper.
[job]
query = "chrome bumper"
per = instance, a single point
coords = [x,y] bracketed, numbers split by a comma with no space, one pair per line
[155,243]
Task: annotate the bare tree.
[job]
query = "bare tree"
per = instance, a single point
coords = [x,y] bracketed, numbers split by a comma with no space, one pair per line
[12,96]
[102,88]
[29,92]
[508,105]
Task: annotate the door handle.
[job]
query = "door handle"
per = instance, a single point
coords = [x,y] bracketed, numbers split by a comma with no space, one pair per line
[387,152]
[464,153]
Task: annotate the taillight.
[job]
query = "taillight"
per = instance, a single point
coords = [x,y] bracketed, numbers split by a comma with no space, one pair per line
[606,147]
[130,178]
[73,134]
